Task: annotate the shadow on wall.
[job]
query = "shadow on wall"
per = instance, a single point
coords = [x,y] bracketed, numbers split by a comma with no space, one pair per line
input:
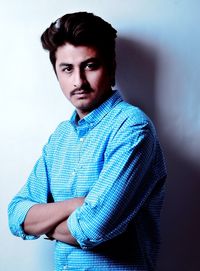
[136,78]
[136,73]
[180,217]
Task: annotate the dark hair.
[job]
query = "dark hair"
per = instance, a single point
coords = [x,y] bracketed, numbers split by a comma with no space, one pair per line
[82,28]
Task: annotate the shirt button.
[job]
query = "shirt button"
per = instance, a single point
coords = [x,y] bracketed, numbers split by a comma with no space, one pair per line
[81,139]
[74,173]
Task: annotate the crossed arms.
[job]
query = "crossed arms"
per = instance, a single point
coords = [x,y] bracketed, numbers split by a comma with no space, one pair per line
[51,219]
[115,198]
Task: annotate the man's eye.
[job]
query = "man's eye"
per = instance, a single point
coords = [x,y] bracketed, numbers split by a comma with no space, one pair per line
[67,69]
[91,66]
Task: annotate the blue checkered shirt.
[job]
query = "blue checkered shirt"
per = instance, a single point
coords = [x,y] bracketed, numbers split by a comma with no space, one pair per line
[113,158]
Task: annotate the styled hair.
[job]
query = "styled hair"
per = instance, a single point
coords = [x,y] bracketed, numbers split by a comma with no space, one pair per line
[82,28]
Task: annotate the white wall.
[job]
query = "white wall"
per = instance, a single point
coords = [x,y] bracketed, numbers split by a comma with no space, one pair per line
[158,68]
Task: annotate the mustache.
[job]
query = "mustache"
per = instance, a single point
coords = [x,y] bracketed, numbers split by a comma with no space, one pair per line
[83,88]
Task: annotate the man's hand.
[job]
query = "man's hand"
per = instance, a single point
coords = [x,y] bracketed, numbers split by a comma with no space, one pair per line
[62,233]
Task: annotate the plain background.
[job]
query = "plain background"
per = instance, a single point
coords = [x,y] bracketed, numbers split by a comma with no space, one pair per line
[158,69]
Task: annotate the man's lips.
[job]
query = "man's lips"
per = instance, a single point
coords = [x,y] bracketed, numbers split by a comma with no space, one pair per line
[81,92]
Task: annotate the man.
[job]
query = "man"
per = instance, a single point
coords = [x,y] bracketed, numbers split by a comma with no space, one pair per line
[97,188]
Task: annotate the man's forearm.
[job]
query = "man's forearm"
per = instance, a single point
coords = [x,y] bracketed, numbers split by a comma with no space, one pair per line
[62,233]
[42,218]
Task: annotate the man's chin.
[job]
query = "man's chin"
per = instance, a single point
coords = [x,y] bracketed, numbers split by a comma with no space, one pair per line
[84,108]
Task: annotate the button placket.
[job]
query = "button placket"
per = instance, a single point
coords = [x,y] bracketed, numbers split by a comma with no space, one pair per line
[82,132]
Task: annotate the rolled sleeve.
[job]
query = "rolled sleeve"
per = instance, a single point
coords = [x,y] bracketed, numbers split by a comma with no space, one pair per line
[74,225]
[36,190]
[20,210]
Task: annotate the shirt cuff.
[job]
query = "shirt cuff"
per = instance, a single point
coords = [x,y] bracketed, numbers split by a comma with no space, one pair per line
[77,232]
[16,223]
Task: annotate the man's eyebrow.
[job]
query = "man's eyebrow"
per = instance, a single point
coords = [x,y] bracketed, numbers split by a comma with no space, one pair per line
[94,60]
[91,59]
[62,64]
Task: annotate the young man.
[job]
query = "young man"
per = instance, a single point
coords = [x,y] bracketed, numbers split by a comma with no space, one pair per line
[97,188]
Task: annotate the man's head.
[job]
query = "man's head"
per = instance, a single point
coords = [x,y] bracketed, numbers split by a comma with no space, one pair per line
[82,28]
[82,51]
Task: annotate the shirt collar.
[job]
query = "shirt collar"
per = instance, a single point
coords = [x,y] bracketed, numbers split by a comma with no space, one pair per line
[94,117]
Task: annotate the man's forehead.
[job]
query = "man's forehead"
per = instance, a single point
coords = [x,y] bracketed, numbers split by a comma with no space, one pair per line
[70,49]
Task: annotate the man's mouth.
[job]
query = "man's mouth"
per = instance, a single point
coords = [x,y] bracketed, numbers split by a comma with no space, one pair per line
[79,92]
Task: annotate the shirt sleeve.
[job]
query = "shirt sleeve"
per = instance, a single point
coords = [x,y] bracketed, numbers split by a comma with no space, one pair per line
[36,190]
[124,184]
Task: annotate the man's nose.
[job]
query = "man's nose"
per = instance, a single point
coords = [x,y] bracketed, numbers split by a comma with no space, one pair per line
[79,78]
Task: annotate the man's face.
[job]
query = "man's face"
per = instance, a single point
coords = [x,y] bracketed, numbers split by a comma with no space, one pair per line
[83,77]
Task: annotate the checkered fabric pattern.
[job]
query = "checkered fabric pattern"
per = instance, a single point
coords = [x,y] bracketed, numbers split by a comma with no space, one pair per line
[113,158]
